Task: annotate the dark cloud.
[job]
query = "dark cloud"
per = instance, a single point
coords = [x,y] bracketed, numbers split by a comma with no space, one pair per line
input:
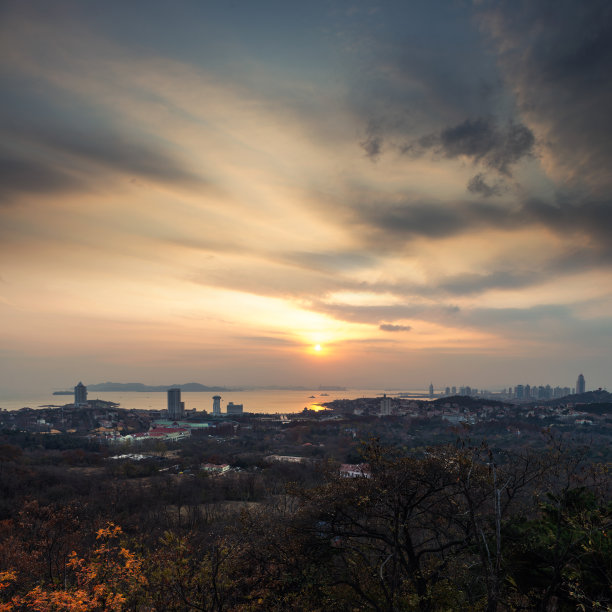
[466,284]
[114,151]
[432,220]
[372,146]
[482,141]
[60,155]
[478,185]
[29,176]
[525,275]
[390,327]
[399,223]
[373,142]
[557,57]
[590,217]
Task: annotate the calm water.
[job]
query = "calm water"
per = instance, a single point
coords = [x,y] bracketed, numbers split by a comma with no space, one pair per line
[253,401]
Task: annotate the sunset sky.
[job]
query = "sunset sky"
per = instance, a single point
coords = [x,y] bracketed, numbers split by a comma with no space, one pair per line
[206,190]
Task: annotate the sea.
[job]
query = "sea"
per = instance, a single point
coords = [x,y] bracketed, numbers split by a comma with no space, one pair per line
[259,401]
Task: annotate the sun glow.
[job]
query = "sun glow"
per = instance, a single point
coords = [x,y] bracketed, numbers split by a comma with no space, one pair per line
[317,348]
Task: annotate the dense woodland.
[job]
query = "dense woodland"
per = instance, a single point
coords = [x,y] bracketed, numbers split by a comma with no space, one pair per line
[459,525]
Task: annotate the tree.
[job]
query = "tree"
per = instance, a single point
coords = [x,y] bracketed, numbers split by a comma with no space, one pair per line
[112,579]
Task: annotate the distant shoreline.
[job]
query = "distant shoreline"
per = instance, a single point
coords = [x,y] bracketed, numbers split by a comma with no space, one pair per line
[189,388]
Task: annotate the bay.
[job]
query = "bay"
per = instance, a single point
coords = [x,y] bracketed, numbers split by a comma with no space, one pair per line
[257,401]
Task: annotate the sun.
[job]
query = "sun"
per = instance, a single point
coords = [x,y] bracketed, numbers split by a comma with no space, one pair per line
[317,348]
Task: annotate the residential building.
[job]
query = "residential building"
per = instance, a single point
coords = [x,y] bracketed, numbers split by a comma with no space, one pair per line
[355,470]
[385,406]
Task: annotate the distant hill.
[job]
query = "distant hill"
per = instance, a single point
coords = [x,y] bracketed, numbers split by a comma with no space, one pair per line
[140,387]
[467,401]
[599,396]
[190,387]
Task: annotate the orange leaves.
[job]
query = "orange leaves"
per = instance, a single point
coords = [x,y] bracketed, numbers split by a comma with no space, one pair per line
[110,531]
[110,580]
[7,578]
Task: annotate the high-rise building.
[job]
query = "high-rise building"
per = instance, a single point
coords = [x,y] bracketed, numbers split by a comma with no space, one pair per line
[431,390]
[385,405]
[519,392]
[217,404]
[580,384]
[175,406]
[80,395]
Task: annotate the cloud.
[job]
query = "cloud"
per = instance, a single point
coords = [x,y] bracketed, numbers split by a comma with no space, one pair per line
[372,144]
[378,314]
[590,217]
[482,141]
[31,176]
[390,327]
[67,149]
[432,219]
[466,284]
[479,186]
[329,261]
[556,57]
[269,341]
[412,219]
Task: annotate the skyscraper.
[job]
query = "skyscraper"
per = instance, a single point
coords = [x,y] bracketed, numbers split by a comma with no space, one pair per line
[175,406]
[80,395]
[580,385]
[385,406]
[216,404]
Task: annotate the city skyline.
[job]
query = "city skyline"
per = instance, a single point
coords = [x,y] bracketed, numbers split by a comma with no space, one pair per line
[379,194]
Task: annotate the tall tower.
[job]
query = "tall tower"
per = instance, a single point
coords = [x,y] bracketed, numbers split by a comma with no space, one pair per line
[216,404]
[175,406]
[580,385]
[80,395]
[431,390]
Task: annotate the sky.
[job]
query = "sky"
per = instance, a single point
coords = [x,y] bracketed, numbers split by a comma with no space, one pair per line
[363,193]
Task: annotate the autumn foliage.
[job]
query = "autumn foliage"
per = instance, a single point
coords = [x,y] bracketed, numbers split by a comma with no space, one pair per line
[455,528]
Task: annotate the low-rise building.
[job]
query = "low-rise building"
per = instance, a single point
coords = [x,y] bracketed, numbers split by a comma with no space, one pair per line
[170,434]
[286,458]
[355,470]
[214,468]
